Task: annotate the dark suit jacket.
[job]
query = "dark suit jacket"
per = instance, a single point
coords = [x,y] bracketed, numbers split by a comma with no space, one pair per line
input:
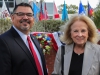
[15,58]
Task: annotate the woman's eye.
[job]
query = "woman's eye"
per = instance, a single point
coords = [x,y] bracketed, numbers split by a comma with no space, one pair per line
[75,31]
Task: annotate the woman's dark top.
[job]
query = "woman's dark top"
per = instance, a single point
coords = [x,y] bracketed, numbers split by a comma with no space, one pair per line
[76,64]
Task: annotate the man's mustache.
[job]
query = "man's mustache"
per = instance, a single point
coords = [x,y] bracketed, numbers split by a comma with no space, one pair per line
[25,20]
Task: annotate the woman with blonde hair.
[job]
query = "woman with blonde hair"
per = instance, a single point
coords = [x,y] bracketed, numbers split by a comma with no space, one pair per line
[82,54]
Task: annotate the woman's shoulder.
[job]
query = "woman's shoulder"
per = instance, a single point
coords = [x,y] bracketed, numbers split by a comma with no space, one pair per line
[94,46]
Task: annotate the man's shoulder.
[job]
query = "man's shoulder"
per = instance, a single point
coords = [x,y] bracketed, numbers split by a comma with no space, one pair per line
[5,35]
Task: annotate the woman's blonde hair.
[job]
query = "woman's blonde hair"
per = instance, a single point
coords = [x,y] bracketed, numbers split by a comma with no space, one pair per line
[92,30]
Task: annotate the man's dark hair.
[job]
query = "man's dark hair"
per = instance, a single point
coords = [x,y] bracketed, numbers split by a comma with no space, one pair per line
[22,4]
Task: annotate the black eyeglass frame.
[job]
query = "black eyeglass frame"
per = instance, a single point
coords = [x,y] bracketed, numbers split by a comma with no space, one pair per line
[23,14]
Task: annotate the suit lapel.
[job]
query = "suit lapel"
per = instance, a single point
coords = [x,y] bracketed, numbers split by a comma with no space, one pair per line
[88,58]
[67,58]
[87,61]
[36,44]
[21,43]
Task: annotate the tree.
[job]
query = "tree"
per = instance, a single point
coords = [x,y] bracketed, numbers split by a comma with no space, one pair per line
[85,6]
[71,8]
[96,16]
[60,7]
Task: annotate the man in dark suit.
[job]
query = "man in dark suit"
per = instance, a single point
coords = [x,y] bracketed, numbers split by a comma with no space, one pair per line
[16,57]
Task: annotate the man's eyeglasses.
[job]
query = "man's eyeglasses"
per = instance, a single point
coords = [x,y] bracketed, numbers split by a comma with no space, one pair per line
[23,14]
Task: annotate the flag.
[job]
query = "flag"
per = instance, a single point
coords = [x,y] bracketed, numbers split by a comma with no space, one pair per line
[41,15]
[56,41]
[64,13]
[90,10]
[36,11]
[45,12]
[55,12]
[81,9]
[4,11]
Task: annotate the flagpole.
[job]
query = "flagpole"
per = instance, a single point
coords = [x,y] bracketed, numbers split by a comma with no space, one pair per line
[53,9]
[44,21]
[87,9]
[15,3]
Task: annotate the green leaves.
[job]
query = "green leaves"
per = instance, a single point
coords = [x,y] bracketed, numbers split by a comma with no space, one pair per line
[96,18]
[5,24]
[47,26]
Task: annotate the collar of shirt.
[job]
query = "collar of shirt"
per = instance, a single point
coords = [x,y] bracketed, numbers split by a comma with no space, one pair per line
[22,35]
